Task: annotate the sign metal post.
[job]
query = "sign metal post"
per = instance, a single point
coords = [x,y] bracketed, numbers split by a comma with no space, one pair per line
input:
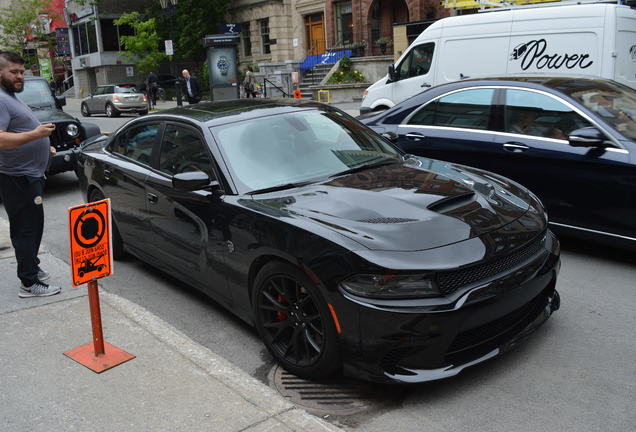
[91,258]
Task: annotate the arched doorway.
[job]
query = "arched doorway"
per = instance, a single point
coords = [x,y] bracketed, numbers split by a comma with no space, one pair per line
[382,15]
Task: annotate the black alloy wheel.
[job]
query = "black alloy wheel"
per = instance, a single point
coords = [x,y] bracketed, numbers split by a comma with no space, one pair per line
[117,241]
[85,111]
[294,322]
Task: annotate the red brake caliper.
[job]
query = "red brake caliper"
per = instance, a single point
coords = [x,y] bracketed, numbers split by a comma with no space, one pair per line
[281,316]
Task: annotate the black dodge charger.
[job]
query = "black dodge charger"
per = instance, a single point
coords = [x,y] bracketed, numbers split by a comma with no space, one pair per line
[344,252]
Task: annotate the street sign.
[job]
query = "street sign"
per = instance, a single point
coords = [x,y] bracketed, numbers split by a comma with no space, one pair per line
[90,239]
[169,47]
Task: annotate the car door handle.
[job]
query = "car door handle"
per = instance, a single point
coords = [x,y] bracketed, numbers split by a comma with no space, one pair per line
[415,136]
[152,198]
[515,147]
[391,136]
[107,175]
[425,84]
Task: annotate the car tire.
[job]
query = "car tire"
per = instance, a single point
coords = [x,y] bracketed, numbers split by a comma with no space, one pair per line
[117,242]
[85,111]
[111,111]
[294,322]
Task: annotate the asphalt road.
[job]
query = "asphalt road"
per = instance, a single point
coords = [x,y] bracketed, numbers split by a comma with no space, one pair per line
[575,374]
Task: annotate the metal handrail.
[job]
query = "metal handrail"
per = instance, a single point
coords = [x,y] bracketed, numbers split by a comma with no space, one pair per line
[265,80]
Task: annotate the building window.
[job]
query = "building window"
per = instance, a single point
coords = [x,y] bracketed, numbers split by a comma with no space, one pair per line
[111,34]
[85,38]
[247,39]
[265,49]
[344,23]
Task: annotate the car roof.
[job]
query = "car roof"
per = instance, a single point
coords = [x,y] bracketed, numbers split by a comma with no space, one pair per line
[221,112]
[562,84]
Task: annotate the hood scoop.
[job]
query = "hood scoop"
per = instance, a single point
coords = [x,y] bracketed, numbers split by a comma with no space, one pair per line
[452,202]
[386,220]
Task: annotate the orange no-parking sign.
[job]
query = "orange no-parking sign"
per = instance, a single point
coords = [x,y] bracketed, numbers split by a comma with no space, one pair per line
[90,238]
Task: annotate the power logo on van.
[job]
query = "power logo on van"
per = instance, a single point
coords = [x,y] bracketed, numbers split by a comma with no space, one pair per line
[532,56]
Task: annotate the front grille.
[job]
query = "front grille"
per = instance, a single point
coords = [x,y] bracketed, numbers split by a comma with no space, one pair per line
[60,139]
[449,282]
[491,330]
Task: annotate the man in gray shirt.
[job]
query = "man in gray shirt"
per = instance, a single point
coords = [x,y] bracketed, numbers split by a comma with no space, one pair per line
[24,154]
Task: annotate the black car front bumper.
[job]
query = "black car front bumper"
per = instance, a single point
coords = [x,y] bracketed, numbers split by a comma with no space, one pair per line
[425,343]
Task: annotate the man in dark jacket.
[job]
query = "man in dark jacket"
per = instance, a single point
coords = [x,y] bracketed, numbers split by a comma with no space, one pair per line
[191,87]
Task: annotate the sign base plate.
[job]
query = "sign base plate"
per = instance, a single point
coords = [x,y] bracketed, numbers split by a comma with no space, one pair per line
[85,355]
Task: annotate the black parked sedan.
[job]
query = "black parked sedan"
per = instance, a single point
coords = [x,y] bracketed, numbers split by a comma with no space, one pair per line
[572,141]
[341,250]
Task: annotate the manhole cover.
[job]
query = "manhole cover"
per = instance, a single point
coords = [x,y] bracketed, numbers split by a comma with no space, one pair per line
[334,397]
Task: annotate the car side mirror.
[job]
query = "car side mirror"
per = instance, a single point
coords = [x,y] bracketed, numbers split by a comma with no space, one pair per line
[60,101]
[193,180]
[587,137]
[392,75]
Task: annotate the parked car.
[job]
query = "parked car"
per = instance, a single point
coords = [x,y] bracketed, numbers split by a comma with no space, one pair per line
[561,38]
[69,131]
[340,249]
[114,99]
[572,141]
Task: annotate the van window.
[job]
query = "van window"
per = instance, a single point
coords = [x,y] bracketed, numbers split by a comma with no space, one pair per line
[417,62]
[537,114]
[467,109]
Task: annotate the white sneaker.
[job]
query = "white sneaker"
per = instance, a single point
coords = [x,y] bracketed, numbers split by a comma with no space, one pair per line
[38,289]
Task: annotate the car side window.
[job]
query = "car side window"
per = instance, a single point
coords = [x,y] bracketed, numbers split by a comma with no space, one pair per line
[98,91]
[183,150]
[466,109]
[137,143]
[417,62]
[537,114]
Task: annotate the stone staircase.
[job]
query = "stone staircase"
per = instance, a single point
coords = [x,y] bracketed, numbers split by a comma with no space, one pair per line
[313,77]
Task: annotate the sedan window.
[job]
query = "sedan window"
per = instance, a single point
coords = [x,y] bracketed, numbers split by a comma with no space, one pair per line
[137,143]
[467,109]
[537,114]
[298,147]
[182,150]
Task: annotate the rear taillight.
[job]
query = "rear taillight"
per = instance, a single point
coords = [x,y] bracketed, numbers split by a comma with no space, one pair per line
[145,98]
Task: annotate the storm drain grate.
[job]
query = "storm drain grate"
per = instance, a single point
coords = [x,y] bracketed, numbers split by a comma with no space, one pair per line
[334,397]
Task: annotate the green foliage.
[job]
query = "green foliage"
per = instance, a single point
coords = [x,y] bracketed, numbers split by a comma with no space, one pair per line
[345,74]
[21,19]
[192,21]
[145,47]
[345,64]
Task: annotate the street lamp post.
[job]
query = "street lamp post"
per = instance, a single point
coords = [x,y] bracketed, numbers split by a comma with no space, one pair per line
[169,7]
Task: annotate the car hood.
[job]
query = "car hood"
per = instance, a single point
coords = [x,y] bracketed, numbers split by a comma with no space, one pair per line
[52,115]
[416,205]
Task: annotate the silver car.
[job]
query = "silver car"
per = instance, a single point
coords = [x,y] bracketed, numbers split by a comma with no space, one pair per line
[113,99]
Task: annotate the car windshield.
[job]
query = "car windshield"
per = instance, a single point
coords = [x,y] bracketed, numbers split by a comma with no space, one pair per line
[290,149]
[125,89]
[36,93]
[616,104]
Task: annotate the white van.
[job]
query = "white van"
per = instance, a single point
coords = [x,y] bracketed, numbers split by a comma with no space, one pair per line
[552,39]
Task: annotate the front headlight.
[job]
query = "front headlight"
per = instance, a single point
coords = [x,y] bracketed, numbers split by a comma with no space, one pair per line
[72,130]
[391,286]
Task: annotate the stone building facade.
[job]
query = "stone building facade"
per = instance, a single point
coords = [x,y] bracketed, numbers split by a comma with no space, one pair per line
[276,31]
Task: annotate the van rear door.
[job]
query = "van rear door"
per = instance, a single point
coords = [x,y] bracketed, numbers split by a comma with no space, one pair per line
[626,46]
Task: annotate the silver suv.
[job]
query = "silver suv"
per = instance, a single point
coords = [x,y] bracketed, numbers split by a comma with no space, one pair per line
[113,99]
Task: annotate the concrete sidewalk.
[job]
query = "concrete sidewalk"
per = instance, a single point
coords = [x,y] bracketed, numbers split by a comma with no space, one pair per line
[173,384]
